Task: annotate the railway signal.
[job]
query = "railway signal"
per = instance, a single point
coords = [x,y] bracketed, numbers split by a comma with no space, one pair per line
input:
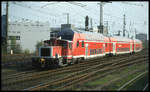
[86,23]
[78,4]
[124,25]
[48,4]
[133,4]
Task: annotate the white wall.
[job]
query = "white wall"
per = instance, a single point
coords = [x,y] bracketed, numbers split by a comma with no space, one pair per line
[29,35]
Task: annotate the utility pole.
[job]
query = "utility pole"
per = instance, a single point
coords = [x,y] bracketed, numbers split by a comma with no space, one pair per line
[101,16]
[119,33]
[135,33]
[91,23]
[124,25]
[128,35]
[107,27]
[7,27]
[86,23]
[67,17]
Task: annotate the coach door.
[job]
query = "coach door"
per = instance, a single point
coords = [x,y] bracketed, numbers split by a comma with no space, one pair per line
[86,50]
[131,47]
[134,46]
[104,48]
[114,47]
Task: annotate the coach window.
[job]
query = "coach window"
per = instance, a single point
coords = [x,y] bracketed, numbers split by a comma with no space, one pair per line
[95,51]
[100,51]
[64,45]
[82,43]
[106,45]
[90,51]
[77,43]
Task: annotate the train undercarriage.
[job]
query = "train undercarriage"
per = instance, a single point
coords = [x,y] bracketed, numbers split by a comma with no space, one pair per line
[39,62]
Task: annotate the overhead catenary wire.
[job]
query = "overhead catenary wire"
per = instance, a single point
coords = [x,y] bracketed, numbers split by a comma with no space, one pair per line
[110,15]
[50,14]
[58,15]
[88,10]
[55,16]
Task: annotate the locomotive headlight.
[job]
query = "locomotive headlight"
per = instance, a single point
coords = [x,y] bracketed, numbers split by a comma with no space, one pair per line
[42,60]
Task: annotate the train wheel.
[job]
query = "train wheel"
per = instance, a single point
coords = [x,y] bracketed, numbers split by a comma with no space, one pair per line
[35,64]
[61,63]
[75,61]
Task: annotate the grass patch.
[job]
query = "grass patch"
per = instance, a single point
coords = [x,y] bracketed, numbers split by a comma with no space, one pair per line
[139,83]
[119,83]
[100,81]
[118,74]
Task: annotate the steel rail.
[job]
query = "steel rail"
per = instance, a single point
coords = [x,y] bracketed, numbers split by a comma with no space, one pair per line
[40,86]
[127,83]
[73,82]
[53,72]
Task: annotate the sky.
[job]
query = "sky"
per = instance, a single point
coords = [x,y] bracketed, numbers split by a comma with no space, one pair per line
[55,13]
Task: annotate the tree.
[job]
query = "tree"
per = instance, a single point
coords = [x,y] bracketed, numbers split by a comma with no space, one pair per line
[38,44]
[3,48]
[13,43]
[26,51]
[18,49]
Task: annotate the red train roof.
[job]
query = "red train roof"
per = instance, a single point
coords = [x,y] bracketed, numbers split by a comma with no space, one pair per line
[124,39]
[88,35]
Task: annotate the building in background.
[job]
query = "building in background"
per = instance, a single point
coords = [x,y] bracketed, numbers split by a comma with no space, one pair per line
[28,33]
[142,37]
[105,31]
[3,28]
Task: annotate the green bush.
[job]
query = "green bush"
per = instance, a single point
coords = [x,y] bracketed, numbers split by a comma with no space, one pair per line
[26,51]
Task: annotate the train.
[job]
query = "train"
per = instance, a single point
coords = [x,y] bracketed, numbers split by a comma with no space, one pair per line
[73,45]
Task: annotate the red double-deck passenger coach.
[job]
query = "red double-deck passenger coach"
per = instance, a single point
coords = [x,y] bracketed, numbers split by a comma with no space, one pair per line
[72,45]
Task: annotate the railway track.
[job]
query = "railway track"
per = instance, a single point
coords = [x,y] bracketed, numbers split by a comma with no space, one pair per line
[16,75]
[129,82]
[16,70]
[32,76]
[74,68]
[70,80]
[82,64]
[74,83]
[115,79]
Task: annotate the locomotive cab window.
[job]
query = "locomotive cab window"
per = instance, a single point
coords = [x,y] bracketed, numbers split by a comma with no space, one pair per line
[70,45]
[64,44]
